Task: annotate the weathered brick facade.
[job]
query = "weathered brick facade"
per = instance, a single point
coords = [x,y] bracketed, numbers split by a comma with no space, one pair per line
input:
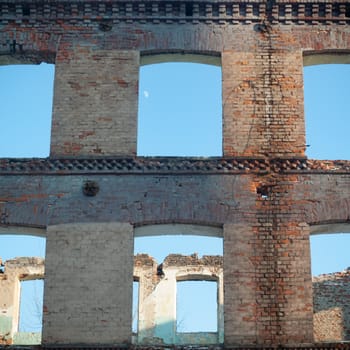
[93,190]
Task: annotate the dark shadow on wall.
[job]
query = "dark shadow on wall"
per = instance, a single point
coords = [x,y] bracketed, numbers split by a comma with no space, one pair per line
[331,302]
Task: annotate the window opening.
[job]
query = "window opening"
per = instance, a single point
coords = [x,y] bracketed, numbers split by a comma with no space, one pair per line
[331,286]
[159,247]
[196,306]
[26,93]
[14,245]
[180,112]
[31,306]
[22,257]
[135,305]
[161,262]
[326,111]
[329,252]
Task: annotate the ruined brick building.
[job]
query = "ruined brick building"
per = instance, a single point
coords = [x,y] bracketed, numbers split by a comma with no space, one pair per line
[94,194]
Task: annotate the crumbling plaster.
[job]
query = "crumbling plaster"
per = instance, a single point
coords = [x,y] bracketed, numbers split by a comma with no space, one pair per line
[157,297]
[15,271]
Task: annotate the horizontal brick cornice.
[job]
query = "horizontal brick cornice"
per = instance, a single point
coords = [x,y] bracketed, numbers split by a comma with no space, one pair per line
[78,12]
[169,165]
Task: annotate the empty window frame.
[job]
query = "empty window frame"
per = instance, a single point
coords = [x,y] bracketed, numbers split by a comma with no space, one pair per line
[135,305]
[31,306]
[326,88]
[26,298]
[180,110]
[159,301]
[26,93]
[331,285]
[197,306]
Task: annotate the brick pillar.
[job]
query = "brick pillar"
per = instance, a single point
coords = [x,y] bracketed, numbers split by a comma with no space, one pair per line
[239,285]
[283,266]
[267,278]
[88,286]
[95,102]
[263,102]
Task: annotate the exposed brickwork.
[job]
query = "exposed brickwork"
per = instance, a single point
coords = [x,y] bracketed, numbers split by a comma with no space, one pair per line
[264,194]
[87,268]
[261,46]
[262,100]
[331,306]
[148,165]
[95,102]
[193,260]
[245,12]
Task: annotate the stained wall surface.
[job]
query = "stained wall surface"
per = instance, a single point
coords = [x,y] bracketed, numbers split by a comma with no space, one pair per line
[93,191]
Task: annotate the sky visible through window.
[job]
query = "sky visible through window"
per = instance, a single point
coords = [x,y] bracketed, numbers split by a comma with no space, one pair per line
[180,111]
[196,301]
[25,110]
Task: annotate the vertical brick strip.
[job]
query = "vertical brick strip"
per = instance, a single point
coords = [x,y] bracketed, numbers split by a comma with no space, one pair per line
[283,275]
[263,101]
[88,285]
[95,102]
[239,284]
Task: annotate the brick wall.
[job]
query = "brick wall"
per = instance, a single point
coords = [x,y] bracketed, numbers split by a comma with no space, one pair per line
[268,294]
[95,50]
[263,101]
[331,307]
[89,273]
[95,102]
[264,204]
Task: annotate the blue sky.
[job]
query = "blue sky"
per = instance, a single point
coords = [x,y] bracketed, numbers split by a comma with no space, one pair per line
[179,114]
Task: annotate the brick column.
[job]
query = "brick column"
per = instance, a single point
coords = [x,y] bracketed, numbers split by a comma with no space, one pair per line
[267,281]
[283,267]
[263,102]
[95,102]
[239,285]
[88,286]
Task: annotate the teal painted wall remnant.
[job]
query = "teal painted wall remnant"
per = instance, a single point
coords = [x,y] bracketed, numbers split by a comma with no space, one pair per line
[5,329]
[27,338]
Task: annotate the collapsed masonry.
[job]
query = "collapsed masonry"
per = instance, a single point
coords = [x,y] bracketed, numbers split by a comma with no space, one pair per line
[157,299]
[157,296]
[331,306]
[14,271]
